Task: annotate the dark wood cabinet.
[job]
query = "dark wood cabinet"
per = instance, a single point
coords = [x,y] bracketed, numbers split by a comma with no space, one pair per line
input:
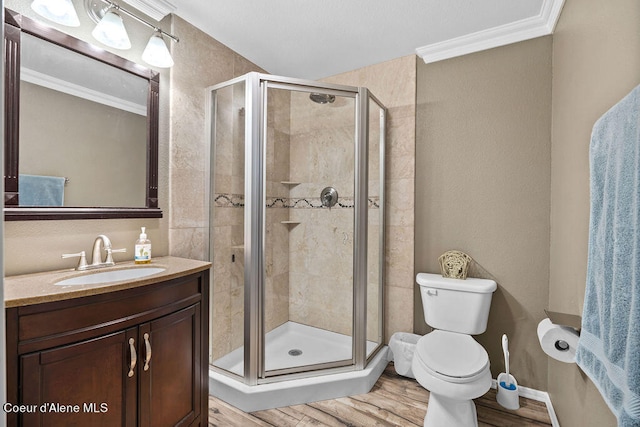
[89,378]
[171,382]
[136,357]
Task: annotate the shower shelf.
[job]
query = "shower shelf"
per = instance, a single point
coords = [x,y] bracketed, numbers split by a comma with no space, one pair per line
[292,183]
[290,222]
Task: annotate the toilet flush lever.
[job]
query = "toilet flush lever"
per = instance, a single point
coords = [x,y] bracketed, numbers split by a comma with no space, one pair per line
[432,292]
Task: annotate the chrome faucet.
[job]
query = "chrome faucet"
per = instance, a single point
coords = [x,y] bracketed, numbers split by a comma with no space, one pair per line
[102,242]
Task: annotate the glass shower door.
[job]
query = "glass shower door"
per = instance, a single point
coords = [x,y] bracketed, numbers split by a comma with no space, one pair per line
[375,218]
[309,139]
[227,230]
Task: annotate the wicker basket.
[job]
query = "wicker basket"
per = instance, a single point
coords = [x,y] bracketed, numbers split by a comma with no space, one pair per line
[454,264]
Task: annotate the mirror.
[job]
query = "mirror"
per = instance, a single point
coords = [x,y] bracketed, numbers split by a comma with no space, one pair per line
[81,128]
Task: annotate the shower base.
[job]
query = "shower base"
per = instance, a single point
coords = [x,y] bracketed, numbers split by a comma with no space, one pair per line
[293,344]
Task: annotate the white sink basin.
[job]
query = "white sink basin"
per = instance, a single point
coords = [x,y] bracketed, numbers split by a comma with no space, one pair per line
[100,277]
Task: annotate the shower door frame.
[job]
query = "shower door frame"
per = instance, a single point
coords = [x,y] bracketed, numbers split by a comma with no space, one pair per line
[256,86]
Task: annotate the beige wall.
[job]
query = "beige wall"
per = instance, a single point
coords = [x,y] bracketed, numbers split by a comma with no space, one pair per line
[482,187]
[394,84]
[595,63]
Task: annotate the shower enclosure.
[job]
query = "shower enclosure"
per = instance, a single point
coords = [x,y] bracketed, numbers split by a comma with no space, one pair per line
[296,234]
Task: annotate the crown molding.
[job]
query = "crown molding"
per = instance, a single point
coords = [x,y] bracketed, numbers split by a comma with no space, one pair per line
[536,26]
[41,79]
[156,9]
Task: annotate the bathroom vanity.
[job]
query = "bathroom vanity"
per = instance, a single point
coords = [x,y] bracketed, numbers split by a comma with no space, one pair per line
[126,353]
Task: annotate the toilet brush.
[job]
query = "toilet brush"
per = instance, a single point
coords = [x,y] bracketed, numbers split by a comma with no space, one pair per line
[507,385]
[505,351]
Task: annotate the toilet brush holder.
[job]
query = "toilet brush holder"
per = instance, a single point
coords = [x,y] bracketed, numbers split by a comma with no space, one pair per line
[508,393]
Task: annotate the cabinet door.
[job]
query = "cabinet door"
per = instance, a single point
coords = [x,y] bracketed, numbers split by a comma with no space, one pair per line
[170,382]
[82,384]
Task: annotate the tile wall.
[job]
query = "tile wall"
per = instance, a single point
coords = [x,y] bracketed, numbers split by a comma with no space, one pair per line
[394,84]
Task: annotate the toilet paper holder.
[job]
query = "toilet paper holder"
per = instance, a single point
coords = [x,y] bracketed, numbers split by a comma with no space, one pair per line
[563,319]
[558,334]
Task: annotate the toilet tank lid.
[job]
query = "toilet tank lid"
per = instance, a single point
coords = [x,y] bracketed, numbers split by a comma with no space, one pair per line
[470,284]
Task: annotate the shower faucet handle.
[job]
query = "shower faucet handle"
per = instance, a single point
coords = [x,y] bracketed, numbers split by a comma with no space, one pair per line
[329,197]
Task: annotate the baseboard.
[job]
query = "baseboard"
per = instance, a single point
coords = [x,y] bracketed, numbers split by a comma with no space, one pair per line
[538,396]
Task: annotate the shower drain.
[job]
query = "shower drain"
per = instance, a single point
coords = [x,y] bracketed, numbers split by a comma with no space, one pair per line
[295,352]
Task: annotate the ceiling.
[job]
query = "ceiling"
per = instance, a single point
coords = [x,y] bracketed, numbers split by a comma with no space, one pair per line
[313,39]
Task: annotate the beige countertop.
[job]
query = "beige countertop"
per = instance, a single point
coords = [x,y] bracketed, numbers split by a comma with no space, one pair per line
[36,288]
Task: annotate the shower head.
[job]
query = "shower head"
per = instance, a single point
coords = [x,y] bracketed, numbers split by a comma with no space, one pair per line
[322,98]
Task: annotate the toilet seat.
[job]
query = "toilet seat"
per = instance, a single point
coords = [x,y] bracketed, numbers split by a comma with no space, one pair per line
[451,356]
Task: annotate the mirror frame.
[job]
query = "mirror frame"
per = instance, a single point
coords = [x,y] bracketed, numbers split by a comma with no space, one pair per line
[15,24]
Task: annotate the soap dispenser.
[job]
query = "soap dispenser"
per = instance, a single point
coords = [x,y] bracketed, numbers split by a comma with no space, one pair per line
[143,249]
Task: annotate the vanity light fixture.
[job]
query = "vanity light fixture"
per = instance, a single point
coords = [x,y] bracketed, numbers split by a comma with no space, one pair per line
[111,32]
[156,53]
[58,11]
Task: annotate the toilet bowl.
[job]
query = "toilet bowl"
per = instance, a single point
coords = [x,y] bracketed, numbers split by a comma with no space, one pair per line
[449,362]
[455,370]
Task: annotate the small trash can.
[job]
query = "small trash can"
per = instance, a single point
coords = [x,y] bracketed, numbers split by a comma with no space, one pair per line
[403,345]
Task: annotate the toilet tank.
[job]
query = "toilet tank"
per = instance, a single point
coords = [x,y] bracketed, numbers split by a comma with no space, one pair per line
[456,305]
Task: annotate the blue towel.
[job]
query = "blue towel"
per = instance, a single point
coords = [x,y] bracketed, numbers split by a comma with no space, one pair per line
[609,346]
[38,190]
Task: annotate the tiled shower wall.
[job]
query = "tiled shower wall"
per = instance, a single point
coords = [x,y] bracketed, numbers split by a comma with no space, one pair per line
[277,283]
[321,256]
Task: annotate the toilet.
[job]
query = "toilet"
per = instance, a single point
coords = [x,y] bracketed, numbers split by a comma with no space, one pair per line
[448,361]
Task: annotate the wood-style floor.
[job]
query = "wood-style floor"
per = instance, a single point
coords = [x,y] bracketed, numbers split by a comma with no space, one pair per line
[393,401]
